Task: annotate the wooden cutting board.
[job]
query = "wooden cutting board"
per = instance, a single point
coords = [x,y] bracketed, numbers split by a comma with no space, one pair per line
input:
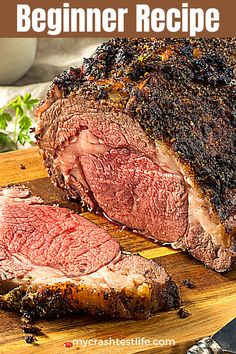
[212,303]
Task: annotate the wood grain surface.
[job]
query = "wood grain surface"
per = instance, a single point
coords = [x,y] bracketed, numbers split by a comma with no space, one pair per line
[211,303]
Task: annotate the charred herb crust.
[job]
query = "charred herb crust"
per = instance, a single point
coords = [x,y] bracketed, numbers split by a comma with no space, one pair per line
[182,92]
[60,299]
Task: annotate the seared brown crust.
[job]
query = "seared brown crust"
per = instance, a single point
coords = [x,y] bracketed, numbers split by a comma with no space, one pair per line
[200,130]
[182,93]
[62,299]
[56,299]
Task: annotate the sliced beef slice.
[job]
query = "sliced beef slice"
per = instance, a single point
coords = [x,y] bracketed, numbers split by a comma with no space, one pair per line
[53,262]
[145,130]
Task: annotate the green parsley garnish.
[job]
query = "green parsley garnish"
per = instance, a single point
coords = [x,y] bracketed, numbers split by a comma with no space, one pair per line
[15,122]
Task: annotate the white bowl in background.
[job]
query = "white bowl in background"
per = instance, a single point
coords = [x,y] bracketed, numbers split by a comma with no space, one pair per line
[16,57]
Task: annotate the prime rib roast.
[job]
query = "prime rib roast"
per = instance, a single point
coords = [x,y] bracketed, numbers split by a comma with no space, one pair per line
[54,262]
[144,130]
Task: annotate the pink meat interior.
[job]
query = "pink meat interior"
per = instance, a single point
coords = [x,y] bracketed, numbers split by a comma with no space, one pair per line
[131,186]
[43,235]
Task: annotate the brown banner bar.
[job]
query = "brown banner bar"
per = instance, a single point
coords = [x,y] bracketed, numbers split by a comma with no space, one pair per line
[102,18]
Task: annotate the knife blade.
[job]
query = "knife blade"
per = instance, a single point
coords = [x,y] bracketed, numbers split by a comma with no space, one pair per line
[224,341]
